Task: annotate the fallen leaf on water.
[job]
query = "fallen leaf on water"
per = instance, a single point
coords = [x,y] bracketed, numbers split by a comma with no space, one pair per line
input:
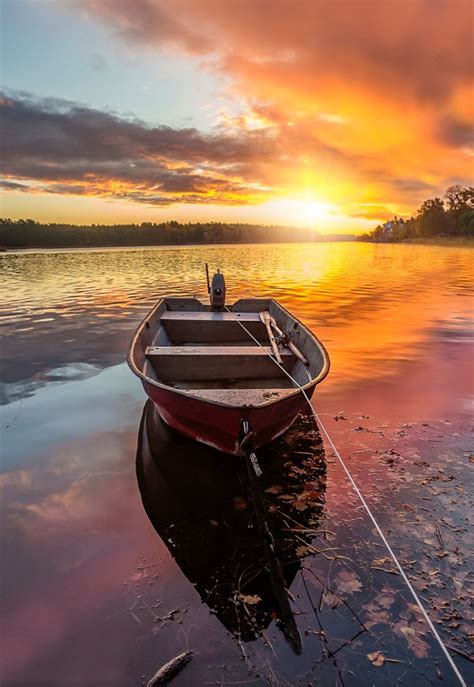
[297,471]
[329,601]
[376,658]
[381,561]
[274,490]
[312,495]
[300,505]
[414,641]
[407,630]
[375,618]
[250,599]
[347,582]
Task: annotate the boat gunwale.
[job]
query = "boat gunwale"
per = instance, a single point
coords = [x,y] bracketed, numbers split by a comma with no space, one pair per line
[187,394]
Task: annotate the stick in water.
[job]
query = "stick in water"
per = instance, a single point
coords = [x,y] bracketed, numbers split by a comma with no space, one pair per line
[167,672]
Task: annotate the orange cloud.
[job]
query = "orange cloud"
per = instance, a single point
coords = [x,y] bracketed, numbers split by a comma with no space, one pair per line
[366,99]
[62,148]
[361,106]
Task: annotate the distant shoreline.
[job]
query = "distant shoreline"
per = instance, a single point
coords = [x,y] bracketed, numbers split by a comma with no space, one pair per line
[29,234]
[467,241]
[453,241]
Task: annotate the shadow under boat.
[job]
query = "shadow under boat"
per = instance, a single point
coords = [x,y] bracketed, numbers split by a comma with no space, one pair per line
[205,510]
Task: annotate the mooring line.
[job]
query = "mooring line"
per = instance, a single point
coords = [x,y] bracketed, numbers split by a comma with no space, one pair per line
[367,508]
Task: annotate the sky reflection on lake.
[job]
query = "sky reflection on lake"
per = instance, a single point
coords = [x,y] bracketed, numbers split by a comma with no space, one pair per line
[76,544]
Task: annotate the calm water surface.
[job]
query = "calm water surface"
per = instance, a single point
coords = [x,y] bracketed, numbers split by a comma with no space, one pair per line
[92,595]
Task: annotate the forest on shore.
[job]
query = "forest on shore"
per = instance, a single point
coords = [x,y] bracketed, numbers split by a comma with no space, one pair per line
[450,216]
[26,233]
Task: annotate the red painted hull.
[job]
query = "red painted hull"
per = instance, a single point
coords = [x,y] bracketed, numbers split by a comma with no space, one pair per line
[220,426]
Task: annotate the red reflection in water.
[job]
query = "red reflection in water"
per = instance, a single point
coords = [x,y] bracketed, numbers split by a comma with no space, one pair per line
[395,320]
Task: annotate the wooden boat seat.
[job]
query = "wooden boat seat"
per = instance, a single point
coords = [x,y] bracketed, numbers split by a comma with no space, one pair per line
[248,398]
[211,327]
[215,362]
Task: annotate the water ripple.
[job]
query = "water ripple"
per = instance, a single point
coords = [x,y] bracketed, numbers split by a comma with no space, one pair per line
[372,302]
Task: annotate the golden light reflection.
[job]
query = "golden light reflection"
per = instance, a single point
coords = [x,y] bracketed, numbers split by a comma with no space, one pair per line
[374,306]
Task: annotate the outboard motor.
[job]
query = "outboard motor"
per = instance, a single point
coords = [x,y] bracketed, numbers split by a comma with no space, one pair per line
[216,290]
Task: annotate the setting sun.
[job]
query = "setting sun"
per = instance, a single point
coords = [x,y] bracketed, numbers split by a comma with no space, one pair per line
[312,211]
[234,113]
[299,212]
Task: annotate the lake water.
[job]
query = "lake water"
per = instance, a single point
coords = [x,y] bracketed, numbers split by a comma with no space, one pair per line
[92,591]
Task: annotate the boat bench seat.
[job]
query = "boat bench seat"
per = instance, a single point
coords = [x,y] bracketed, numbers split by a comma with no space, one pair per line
[212,327]
[246,398]
[216,362]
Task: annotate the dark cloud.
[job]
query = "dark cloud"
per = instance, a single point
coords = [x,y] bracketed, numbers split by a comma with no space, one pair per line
[13,185]
[455,132]
[82,133]
[411,185]
[68,148]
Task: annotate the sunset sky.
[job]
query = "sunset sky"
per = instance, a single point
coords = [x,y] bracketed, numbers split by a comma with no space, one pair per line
[332,114]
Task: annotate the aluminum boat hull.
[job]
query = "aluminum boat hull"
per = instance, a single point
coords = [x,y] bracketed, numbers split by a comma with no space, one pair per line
[219,426]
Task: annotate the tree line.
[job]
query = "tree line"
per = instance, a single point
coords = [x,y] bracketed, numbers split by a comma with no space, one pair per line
[452,215]
[26,233]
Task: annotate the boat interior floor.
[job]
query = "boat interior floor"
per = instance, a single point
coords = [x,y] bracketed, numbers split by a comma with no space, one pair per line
[205,354]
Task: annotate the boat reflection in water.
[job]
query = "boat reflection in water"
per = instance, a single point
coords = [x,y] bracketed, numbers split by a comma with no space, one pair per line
[204,509]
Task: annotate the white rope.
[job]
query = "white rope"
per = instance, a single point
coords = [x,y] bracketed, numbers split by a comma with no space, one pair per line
[369,512]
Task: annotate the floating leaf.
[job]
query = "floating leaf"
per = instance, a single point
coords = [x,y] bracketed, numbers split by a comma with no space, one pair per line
[310,495]
[300,505]
[250,599]
[376,658]
[407,631]
[381,561]
[414,641]
[275,489]
[347,582]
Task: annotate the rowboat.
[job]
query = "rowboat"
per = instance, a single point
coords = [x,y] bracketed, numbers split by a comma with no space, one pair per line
[224,373]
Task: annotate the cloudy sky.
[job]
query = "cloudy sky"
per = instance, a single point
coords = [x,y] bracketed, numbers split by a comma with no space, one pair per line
[333,114]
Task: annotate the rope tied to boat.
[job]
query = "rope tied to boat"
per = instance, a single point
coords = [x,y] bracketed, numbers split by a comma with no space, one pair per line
[367,508]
